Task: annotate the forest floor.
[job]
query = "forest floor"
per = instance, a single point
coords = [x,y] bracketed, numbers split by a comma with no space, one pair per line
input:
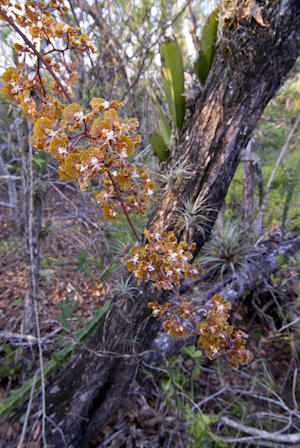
[259,395]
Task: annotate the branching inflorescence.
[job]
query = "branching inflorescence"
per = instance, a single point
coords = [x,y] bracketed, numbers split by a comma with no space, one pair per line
[97,144]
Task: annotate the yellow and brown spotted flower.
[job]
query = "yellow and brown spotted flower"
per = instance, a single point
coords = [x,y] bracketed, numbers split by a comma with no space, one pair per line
[72,165]
[239,354]
[187,310]
[59,147]
[219,309]
[164,256]
[111,116]
[73,112]
[100,128]
[133,124]
[177,330]
[157,310]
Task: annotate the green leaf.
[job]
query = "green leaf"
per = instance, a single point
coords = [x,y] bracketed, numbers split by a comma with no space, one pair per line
[196,372]
[79,318]
[7,350]
[208,40]
[159,146]
[173,80]
[70,295]
[59,318]
[87,270]
[16,302]
[208,46]
[206,419]
[192,352]
[60,340]
[197,354]
[91,326]
[274,279]
[201,68]
[60,361]
[280,259]
[46,261]
[29,365]
[40,161]
[188,350]
[165,126]
[67,311]
[82,256]
[8,166]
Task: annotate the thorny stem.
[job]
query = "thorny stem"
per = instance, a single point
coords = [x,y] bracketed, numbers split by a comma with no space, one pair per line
[37,53]
[123,207]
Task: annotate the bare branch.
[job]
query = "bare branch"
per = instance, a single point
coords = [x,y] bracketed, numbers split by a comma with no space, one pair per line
[261,434]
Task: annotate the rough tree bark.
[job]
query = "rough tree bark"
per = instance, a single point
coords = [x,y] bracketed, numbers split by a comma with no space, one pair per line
[250,63]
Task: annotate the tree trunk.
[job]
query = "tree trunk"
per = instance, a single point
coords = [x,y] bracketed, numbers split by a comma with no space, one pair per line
[250,63]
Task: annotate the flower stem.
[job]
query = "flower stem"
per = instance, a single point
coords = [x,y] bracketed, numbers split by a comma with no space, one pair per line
[176,294]
[123,207]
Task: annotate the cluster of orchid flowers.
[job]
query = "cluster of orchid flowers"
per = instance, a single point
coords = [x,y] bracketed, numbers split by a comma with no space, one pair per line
[165,262]
[162,260]
[97,142]
[85,144]
[110,143]
[216,336]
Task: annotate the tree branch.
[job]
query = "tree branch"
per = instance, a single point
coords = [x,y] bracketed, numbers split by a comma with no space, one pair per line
[260,434]
[37,53]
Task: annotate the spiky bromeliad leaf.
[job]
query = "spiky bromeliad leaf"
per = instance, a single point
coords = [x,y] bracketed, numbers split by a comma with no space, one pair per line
[173,80]
[159,146]
[208,46]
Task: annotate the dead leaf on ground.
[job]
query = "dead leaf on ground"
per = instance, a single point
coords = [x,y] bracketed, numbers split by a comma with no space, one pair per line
[34,444]
[9,431]
[16,426]
[3,428]
[36,431]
